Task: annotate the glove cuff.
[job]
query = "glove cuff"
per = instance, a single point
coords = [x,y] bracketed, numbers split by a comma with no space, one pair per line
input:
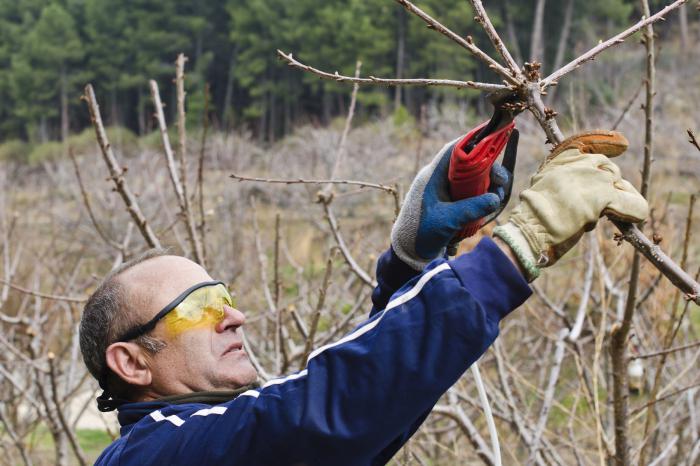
[412,260]
[514,238]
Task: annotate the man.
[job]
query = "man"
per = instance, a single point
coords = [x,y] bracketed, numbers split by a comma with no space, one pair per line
[164,339]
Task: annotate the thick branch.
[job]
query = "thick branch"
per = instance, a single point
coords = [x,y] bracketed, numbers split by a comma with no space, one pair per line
[182,142]
[618,39]
[116,172]
[629,232]
[618,348]
[544,117]
[372,80]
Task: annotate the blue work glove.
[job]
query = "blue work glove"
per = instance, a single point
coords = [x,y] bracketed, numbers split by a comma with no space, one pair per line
[429,219]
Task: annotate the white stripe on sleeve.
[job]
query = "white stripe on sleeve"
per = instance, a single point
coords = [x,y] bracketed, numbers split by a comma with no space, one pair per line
[158,416]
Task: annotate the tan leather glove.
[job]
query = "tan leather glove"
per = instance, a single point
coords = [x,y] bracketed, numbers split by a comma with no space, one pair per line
[567,196]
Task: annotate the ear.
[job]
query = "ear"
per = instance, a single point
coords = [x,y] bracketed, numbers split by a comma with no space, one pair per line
[129,362]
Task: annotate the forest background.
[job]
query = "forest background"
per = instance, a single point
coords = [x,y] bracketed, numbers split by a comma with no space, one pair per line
[50,48]
[63,224]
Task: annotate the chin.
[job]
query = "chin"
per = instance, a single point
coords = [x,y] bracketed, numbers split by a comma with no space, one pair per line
[240,374]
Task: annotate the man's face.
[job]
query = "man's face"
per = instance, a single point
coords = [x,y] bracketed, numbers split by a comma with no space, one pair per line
[209,357]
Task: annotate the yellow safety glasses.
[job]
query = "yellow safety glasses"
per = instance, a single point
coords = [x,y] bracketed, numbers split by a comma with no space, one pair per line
[199,306]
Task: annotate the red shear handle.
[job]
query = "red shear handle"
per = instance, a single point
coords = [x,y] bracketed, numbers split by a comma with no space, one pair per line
[469,173]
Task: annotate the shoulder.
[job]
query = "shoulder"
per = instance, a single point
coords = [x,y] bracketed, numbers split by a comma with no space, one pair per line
[180,434]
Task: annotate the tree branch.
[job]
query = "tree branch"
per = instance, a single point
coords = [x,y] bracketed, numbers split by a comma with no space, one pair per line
[618,39]
[693,139]
[483,19]
[86,201]
[37,294]
[363,184]
[467,43]
[195,242]
[116,172]
[372,80]
[628,232]
[666,351]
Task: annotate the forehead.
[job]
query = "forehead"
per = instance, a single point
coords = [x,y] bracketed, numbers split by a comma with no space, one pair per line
[155,282]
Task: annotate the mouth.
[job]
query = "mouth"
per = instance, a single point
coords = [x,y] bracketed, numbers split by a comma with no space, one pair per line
[234,347]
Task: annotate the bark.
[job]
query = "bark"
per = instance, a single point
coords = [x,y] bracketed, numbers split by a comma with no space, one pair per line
[618,349]
[116,172]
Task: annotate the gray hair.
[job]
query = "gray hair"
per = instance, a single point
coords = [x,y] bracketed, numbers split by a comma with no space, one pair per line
[108,313]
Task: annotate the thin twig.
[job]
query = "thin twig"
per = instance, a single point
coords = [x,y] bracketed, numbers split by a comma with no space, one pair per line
[671,331]
[79,454]
[469,430]
[665,397]
[309,345]
[575,331]
[467,43]
[693,139]
[276,288]
[363,184]
[116,172]
[548,394]
[86,202]
[373,80]
[352,263]
[254,359]
[37,294]
[325,196]
[298,322]
[16,440]
[666,351]
[483,19]
[627,107]
[200,173]
[340,149]
[619,38]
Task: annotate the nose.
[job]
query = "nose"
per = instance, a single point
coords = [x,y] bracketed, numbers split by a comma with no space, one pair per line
[233,318]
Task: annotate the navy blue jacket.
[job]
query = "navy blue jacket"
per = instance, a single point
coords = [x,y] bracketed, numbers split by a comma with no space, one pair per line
[360,398]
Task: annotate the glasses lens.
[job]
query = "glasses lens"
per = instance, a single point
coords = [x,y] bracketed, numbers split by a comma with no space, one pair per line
[204,307]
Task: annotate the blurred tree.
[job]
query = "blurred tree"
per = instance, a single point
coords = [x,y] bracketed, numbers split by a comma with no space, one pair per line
[46,71]
[49,48]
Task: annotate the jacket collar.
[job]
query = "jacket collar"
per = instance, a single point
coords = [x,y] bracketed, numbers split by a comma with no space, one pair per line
[130,413]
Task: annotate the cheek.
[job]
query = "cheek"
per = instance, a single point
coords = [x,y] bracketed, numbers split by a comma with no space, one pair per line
[189,354]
